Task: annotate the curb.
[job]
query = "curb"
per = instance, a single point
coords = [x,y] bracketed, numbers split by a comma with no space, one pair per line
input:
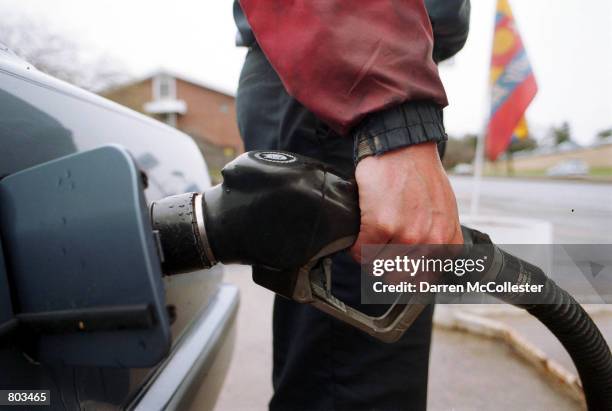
[487,310]
[454,319]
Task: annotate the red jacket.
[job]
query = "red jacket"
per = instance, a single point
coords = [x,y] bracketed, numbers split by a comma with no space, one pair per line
[344,59]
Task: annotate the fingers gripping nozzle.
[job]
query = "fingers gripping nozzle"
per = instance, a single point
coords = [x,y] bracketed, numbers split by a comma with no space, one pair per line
[273,210]
[283,214]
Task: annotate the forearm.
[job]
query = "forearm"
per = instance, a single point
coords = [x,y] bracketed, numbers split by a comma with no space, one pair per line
[345,60]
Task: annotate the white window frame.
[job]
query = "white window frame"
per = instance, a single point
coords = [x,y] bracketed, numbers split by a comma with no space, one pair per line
[157,83]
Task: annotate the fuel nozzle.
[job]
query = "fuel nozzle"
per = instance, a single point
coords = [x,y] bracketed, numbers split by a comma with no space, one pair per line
[273,210]
[285,215]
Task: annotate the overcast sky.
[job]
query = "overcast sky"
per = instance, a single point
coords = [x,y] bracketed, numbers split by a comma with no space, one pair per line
[569,43]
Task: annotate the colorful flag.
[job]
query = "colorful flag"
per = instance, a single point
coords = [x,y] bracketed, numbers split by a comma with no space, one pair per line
[513,84]
[521,131]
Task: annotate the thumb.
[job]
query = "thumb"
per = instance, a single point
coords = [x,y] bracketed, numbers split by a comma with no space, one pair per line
[374,243]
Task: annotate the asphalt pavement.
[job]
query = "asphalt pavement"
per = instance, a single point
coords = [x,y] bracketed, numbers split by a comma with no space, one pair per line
[581,212]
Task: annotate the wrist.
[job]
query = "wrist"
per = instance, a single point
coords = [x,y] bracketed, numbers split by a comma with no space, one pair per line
[407,124]
[416,158]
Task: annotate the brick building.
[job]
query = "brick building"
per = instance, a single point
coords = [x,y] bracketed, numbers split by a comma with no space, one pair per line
[207,114]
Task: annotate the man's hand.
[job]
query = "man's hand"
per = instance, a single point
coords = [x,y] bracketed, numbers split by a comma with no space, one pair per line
[405,198]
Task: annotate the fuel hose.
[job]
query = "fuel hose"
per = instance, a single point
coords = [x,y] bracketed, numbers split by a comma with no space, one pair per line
[565,318]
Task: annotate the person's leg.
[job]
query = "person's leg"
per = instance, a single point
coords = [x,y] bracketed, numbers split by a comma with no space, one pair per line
[319,362]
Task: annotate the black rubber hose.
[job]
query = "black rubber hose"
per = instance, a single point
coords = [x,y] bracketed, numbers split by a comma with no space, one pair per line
[570,323]
[561,314]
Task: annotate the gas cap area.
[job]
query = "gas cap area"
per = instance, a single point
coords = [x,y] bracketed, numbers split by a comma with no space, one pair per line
[80,258]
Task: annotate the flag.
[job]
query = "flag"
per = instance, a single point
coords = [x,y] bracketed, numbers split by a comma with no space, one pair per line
[513,84]
[521,131]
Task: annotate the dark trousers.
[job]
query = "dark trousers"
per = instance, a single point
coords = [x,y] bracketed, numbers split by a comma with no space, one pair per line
[319,362]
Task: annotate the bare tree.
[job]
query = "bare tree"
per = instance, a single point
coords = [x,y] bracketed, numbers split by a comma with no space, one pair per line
[58,56]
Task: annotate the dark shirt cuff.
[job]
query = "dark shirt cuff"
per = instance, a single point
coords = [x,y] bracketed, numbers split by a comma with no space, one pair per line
[406,124]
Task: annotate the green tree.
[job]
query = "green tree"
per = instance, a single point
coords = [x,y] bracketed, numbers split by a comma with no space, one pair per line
[523,144]
[562,133]
[471,140]
[604,134]
[459,150]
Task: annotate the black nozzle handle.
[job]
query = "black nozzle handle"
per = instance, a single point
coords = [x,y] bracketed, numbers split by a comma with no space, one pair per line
[274,209]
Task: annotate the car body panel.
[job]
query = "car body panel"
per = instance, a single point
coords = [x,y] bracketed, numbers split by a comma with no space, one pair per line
[42,118]
[192,359]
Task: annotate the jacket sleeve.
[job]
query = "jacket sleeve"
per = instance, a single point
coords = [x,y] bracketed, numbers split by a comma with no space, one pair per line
[344,59]
[451,24]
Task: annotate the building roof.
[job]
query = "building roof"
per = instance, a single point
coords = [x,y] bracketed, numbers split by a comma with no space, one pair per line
[180,76]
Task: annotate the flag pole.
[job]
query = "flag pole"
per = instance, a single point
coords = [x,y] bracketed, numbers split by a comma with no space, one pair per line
[480,146]
[479,156]
[477,179]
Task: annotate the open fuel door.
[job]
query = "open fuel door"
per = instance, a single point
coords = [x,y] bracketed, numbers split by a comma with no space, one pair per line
[81,279]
